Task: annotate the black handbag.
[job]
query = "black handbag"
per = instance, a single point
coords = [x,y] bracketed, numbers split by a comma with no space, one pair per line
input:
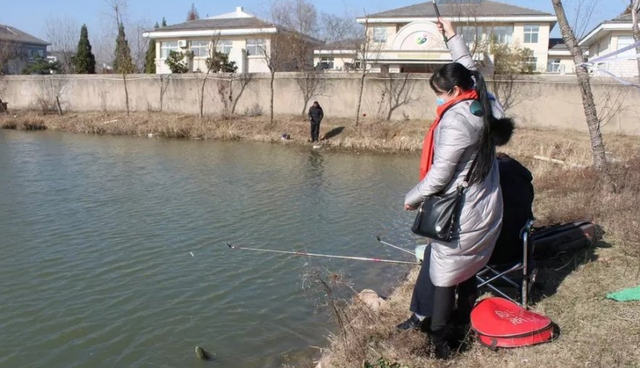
[438,215]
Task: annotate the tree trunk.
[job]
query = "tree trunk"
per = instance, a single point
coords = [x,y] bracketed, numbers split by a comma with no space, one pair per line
[306,94]
[204,82]
[273,77]
[591,114]
[161,91]
[636,30]
[244,81]
[364,74]
[58,105]
[126,92]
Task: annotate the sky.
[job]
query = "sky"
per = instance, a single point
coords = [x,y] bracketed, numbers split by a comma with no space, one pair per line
[31,15]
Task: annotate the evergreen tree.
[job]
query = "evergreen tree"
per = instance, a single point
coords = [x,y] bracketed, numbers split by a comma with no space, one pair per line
[193,14]
[42,66]
[122,63]
[150,58]
[84,62]
[164,22]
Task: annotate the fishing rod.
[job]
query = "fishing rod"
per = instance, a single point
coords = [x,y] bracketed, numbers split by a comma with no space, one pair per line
[435,6]
[305,254]
[393,246]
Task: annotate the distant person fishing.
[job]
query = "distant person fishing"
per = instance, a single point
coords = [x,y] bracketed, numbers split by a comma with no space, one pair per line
[316,114]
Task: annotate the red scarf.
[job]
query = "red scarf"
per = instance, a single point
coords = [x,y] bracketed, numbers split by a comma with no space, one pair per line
[427,146]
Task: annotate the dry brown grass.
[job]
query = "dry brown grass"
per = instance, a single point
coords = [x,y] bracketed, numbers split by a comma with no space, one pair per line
[370,135]
[595,332]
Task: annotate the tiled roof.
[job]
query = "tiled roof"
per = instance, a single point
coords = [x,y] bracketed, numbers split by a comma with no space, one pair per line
[625,18]
[342,45]
[453,8]
[12,34]
[213,23]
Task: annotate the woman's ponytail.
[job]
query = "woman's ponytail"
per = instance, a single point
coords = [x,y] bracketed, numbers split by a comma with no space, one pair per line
[486,148]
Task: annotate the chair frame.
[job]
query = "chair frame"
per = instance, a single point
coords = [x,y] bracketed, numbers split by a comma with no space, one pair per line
[490,274]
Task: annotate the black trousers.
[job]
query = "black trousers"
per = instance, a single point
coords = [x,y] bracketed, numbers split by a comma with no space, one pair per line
[315,131]
[439,303]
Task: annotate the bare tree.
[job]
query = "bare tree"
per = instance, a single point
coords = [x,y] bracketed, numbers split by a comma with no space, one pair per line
[164,85]
[610,100]
[49,93]
[102,46]
[138,43]
[366,52]
[311,84]
[507,71]
[122,62]
[635,8]
[397,91]
[63,34]
[590,111]
[292,46]
[243,81]
[334,28]
[8,51]
[276,56]
[299,16]
[215,37]
[580,13]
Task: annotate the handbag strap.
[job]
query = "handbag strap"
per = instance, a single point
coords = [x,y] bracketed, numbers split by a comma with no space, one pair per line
[465,183]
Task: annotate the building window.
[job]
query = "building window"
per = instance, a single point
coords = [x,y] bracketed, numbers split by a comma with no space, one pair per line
[200,48]
[256,47]
[471,35]
[532,64]
[379,35]
[326,63]
[32,54]
[531,34]
[624,41]
[167,47]
[555,66]
[224,47]
[503,34]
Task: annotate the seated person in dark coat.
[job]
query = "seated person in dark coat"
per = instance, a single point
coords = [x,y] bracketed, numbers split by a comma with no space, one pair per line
[517,195]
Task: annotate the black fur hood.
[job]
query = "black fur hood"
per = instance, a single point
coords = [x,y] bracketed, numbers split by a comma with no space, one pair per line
[501,131]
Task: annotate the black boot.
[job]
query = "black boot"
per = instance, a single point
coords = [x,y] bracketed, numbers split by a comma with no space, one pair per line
[413,323]
[442,349]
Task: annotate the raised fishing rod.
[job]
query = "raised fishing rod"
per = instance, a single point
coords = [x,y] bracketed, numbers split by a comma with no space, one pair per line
[435,6]
[394,246]
[305,254]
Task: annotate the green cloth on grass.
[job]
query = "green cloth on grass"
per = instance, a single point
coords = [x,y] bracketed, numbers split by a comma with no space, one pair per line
[626,295]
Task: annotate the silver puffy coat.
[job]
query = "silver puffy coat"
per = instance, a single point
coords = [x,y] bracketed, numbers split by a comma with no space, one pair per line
[456,143]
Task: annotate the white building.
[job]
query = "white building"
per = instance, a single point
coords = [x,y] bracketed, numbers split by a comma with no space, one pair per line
[337,56]
[560,59]
[609,37]
[407,39]
[246,39]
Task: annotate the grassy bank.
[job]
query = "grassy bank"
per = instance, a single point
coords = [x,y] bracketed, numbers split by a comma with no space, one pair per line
[335,133]
[595,332]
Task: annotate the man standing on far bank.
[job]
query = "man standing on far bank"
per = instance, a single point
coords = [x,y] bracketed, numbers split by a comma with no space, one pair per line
[315,117]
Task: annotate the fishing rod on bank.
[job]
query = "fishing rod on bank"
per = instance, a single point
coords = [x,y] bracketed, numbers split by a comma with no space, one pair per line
[305,254]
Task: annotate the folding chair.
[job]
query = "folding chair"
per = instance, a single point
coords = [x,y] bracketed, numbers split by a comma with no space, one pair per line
[493,274]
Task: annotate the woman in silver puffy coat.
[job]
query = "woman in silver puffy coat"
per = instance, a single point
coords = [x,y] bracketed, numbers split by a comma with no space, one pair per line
[470,123]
